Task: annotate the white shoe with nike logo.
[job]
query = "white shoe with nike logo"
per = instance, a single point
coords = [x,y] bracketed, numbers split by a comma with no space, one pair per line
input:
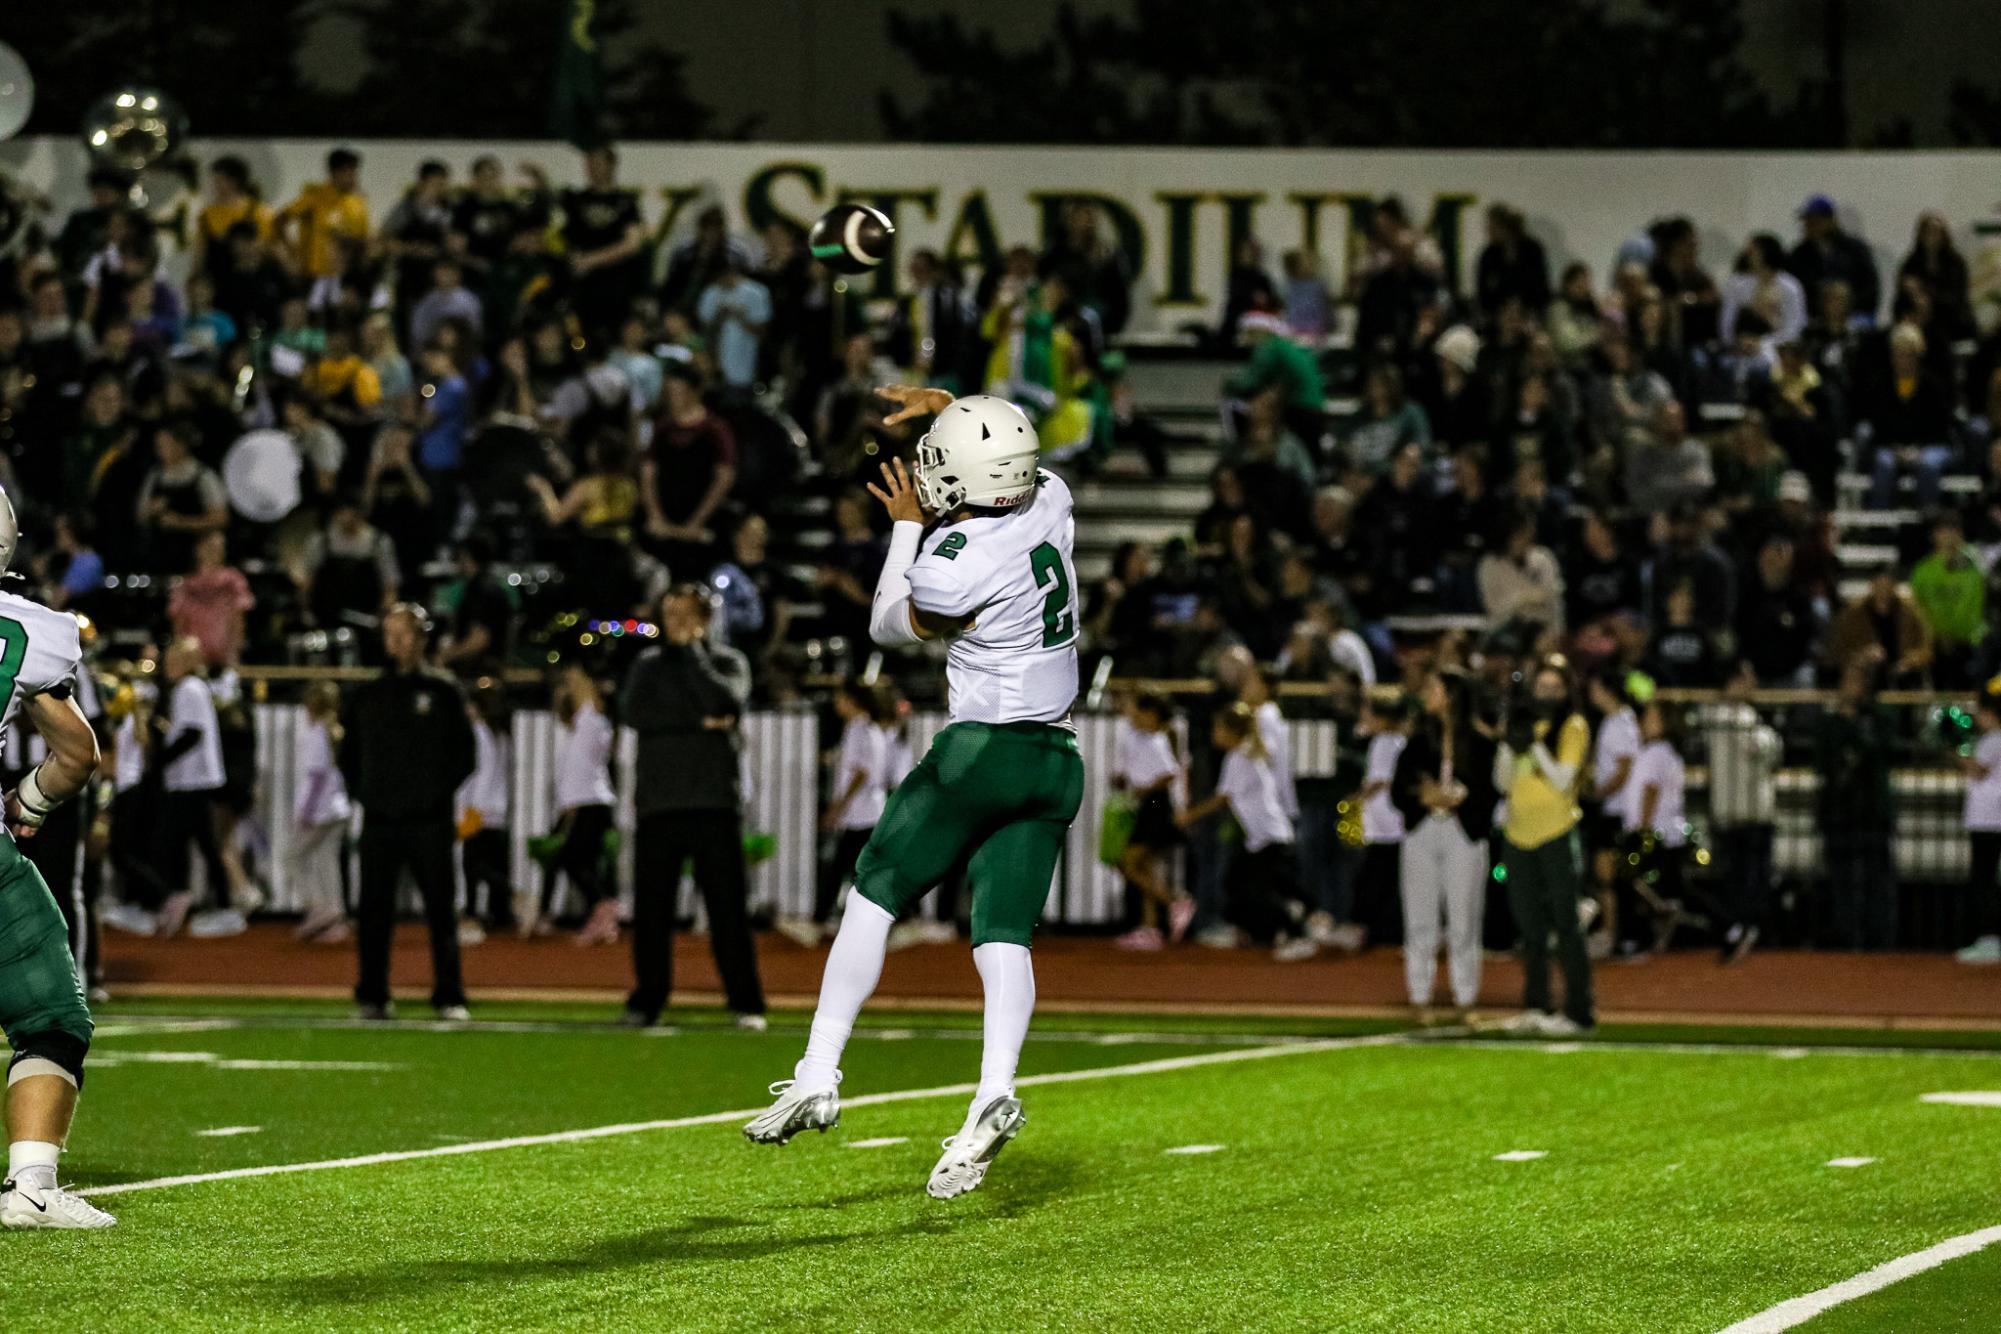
[25,1206]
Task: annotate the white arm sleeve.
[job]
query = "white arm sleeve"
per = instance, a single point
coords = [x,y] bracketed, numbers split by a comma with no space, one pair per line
[1559,774]
[889,619]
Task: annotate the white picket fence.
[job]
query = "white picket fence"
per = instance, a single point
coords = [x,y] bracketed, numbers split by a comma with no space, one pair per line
[782,782]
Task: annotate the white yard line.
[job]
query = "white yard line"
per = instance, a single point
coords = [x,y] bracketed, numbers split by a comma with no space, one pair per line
[1799,1310]
[1164,1066]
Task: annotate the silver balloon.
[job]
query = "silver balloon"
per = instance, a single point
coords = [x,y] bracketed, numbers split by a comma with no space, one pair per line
[134,127]
[17,92]
[261,474]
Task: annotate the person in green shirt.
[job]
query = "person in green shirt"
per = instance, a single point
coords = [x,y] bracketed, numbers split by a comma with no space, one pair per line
[1951,594]
[1277,359]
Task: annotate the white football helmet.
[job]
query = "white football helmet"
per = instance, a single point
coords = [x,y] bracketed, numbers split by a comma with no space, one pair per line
[10,532]
[980,451]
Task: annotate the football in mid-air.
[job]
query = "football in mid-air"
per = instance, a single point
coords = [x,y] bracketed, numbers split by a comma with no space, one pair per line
[851,238]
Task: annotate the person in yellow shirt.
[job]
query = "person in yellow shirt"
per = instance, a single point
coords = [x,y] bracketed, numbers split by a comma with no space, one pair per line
[347,388]
[325,213]
[1537,770]
[231,199]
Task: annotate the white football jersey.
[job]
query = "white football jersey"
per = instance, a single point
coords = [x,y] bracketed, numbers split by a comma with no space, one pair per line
[1013,574]
[39,650]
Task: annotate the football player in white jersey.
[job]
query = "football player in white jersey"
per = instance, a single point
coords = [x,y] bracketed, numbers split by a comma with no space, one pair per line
[42,1005]
[981,558]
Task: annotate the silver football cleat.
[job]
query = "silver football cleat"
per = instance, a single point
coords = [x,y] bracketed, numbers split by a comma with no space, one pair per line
[797,1109]
[969,1153]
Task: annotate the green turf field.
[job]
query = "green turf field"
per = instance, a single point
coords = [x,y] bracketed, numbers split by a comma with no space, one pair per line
[1354,1184]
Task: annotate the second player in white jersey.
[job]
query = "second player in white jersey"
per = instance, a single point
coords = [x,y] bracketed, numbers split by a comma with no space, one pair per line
[1011,572]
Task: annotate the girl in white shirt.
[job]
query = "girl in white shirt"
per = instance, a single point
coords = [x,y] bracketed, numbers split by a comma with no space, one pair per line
[1657,826]
[486,816]
[1983,829]
[1264,876]
[320,813]
[1148,768]
[1378,883]
[862,779]
[583,801]
[1615,747]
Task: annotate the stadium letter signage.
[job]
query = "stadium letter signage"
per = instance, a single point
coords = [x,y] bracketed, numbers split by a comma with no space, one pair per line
[1181,214]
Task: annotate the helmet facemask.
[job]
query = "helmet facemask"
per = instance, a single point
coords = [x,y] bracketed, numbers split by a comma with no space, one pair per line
[938,491]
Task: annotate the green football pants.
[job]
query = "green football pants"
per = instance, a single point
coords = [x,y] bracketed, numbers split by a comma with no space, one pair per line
[41,999]
[992,799]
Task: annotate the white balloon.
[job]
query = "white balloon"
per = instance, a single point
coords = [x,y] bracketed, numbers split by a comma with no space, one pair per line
[261,474]
[17,92]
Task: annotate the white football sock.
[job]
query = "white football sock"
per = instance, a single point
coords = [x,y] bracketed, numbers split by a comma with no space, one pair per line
[32,1162]
[854,966]
[1009,980]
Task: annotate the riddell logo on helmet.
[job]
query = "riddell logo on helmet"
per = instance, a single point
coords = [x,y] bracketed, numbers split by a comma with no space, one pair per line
[1001,502]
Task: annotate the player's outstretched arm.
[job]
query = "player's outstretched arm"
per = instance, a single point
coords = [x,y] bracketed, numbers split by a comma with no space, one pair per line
[913,400]
[72,760]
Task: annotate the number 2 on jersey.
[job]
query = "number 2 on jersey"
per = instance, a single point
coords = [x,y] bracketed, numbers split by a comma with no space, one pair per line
[13,653]
[1059,621]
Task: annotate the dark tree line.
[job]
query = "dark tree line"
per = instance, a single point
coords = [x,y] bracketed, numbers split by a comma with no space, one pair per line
[444,68]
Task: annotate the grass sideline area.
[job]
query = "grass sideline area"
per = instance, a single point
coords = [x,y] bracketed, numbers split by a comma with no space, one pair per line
[1350,1178]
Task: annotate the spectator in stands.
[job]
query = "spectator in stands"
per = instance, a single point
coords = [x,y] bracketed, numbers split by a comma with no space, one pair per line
[1749,467]
[1804,416]
[1908,421]
[1624,400]
[936,327]
[1601,579]
[1456,401]
[1883,634]
[1394,525]
[1471,519]
[850,411]
[1761,283]
[1667,467]
[348,571]
[1934,261]
[1691,295]
[1250,289]
[1094,266]
[208,604]
[1277,361]
[1389,420]
[697,262]
[319,447]
[446,298]
[1778,625]
[414,236]
[444,421]
[1522,583]
[326,213]
[600,511]
[1949,589]
[753,594]
[1273,466]
[1574,319]
[1308,303]
[406,747]
[1443,787]
[687,474]
[1683,652]
[479,631]
[181,499]
[73,573]
[605,238]
[1690,554]
[1396,296]
[393,378]
[1826,253]
[734,312]
[1512,264]
[685,698]
[1852,750]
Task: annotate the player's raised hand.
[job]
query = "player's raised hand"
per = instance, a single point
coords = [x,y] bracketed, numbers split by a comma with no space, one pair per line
[897,493]
[913,400]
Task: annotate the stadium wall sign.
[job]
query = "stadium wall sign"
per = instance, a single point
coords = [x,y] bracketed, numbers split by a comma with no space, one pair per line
[1179,212]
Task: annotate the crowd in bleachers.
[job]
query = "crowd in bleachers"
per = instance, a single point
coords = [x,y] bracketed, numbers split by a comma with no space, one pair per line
[253,424]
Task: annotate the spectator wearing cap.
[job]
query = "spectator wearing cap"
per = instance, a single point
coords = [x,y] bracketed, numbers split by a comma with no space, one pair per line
[1908,421]
[1826,253]
[1950,591]
[1456,400]
[325,214]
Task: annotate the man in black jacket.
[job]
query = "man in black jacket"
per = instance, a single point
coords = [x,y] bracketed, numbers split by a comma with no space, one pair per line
[406,748]
[685,698]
